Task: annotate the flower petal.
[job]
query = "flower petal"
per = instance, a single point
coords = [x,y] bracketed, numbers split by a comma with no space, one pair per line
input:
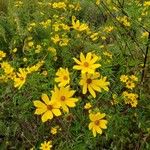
[47,115]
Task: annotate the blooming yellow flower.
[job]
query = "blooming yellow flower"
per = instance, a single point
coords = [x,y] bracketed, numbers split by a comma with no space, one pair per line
[92,84]
[124,78]
[55,129]
[86,64]
[46,145]
[130,98]
[47,109]
[62,77]
[20,79]
[130,84]
[64,97]
[78,26]
[2,55]
[133,78]
[97,123]
[87,106]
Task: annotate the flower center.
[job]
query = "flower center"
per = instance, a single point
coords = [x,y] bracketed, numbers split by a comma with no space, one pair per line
[65,78]
[62,98]
[88,81]
[49,107]
[86,64]
[96,122]
[21,78]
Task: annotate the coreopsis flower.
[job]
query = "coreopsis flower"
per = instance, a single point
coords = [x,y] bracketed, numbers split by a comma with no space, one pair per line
[130,84]
[20,79]
[55,129]
[78,26]
[47,108]
[8,70]
[130,98]
[87,106]
[86,64]
[46,145]
[133,78]
[64,97]
[124,78]
[91,83]
[2,55]
[62,77]
[97,123]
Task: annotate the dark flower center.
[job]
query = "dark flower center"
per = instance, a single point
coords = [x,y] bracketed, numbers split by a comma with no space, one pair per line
[62,98]
[49,107]
[88,81]
[96,122]
[65,78]
[86,64]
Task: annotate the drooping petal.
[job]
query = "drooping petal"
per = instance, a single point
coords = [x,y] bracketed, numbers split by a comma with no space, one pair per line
[56,112]
[84,91]
[40,111]
[47,115]
[90,125]
[91,91]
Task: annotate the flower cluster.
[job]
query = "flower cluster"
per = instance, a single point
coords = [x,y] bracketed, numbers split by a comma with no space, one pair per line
[129,97]
[90,79]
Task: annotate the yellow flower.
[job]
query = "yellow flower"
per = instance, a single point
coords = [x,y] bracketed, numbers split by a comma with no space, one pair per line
[62,77]
[64,97]
[14,50]
[20,79]
[56,38]
[46,145]
[97,123]
[124,78]
[86,64]
[2,55]
[130,98]
[97,2]
[133,78]
[47,109]
[55,129]
[87,106]
[130,84]
[92,84]
[147,3]
[78,26]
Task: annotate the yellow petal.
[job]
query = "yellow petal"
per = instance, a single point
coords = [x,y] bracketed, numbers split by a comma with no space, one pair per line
[91,91]
[95,87]
[40,111]
[82,58]
[90,125]
[77,61]
[77,67]
[39,104]
[103,124]
[94,132]
[84,90]
[47,115]
[88,57]
[98,130]
[56,112]
[45,99]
